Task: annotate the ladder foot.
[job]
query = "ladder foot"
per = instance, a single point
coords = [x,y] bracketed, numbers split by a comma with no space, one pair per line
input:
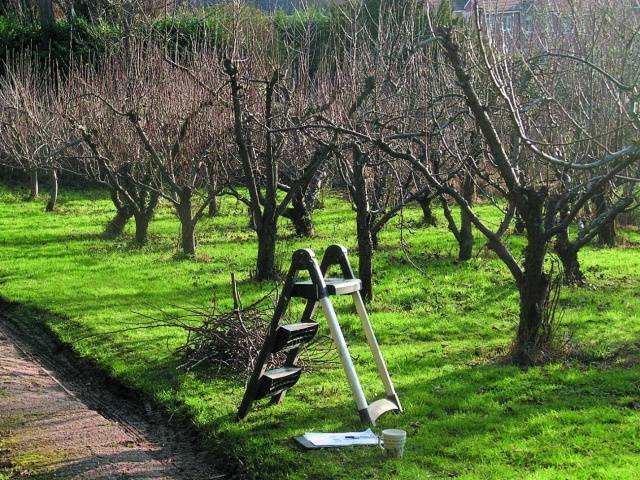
[378,408]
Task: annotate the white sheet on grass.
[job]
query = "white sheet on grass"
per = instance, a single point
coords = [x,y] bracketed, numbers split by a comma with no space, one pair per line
[344,439]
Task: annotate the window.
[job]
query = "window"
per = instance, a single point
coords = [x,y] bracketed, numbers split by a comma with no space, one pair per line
[507,23]
[527,24]
[491,22]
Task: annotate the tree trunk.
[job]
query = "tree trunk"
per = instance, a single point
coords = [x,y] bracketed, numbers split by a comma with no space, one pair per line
[33,182]
[213,206]
[375,242]
[188,238]
[427,213]
[47,21]
[568,255]
[304,202]
[627,219]
[71,12]
[252,223]
[365,257]
[142,228]
[363,227]
[266,262]
[533,297]
[300,216]
[53,192]
[465,241]
[146,206]
[115,227]
[606,231]
[519,226]
[213,200]
[187,223]
[47,18]
[534,285]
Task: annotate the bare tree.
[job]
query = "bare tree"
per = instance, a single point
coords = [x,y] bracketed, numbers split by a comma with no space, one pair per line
[591,118]
[164,146]
[31,135]
[532,198]
[269,98]
[522,154]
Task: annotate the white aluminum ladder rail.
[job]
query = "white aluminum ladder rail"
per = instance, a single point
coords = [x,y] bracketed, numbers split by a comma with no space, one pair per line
[337,254]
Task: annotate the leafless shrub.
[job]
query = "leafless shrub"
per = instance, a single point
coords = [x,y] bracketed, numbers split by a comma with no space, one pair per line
[32,136]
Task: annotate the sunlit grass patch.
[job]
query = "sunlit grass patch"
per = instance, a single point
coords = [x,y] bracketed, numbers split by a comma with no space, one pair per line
[441,325]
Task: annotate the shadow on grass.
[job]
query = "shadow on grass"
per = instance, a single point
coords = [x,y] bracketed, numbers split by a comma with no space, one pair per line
[479,412]
[27,240]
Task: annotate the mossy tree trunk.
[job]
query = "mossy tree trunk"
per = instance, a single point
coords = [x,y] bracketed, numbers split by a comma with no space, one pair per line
[534,284]
[187,222]
[464,234]
[303,203]
[363,225]
[568,255]
[266,261]
[143,214]
[425,202]
[212,210]
[607,230]
[116,225]
[300,216]
[465,237]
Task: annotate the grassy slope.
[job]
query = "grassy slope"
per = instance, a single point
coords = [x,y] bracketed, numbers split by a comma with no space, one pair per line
[467,416]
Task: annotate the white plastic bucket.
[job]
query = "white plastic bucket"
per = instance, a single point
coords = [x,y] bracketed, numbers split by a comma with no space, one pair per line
[393,441]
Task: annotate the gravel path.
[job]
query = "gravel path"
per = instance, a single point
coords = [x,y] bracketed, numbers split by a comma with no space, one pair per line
[50,425]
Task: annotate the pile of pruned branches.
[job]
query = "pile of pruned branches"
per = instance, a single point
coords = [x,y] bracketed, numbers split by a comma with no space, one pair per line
[230,342]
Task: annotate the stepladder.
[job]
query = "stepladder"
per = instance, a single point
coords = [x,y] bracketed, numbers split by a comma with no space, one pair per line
[291,338]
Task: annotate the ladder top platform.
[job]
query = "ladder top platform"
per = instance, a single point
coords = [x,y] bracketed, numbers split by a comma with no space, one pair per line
[335,286]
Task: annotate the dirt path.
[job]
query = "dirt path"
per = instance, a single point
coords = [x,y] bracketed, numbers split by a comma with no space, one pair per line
[50,425]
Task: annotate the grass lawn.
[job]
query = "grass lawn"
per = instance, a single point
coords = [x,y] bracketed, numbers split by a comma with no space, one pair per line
[440,327]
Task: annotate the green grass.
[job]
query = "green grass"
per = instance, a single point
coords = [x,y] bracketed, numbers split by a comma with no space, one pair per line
[467,415]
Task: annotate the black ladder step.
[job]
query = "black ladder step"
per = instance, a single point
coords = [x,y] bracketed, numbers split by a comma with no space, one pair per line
[335,286]
[277,380]
[294,335]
